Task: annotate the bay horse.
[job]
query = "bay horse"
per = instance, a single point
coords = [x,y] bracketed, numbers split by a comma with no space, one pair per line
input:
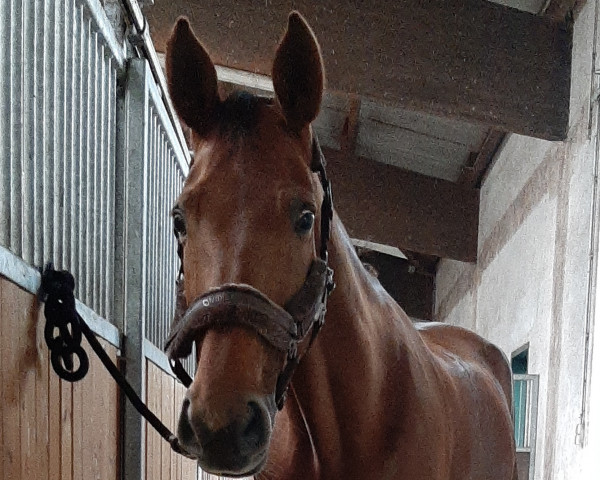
[374,396]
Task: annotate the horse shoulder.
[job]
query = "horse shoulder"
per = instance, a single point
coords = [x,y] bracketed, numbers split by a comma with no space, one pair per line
[470,348]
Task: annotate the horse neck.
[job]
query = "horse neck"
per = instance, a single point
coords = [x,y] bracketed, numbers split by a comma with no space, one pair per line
[343,384]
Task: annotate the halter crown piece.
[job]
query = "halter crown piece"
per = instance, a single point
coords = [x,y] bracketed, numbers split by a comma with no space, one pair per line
[242,305]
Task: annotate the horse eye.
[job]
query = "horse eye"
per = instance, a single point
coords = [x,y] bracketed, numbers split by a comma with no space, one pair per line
[305,222]
[179,224]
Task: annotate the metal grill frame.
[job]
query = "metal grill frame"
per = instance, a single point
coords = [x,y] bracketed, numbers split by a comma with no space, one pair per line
[65,156]
[58,74]
[95,153]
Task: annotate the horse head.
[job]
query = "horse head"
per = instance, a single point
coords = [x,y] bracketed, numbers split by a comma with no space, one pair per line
[248,224]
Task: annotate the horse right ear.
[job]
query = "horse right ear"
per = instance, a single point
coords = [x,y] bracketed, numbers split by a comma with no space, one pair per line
[191,78]
[298,76]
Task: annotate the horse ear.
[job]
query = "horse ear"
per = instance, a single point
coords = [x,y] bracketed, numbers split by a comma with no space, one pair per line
[191,78]
[298,75]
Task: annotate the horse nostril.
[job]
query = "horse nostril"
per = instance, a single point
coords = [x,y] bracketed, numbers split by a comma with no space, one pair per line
[185,433]
[254,434]
[254,418]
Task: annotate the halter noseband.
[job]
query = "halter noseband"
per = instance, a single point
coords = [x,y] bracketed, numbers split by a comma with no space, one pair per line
[242,305]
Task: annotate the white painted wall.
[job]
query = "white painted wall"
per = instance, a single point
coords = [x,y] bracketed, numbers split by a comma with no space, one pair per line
[530,284]
[590,461]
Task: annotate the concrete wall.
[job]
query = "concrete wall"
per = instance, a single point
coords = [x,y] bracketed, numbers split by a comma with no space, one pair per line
[530,283]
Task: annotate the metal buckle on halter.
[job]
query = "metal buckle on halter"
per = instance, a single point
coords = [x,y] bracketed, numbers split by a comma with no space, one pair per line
[329,287]
[329,283]
[292,349]
[328,197]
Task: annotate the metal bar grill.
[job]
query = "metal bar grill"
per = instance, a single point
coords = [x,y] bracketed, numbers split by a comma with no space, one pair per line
[15,48]
[58,142]
[59,61]
[93,168]
[165,174]
[165,167]
[40,54]
[5,154]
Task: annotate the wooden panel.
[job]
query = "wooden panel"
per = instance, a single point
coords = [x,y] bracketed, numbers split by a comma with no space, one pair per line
[164,397]
[384,204]
[188,468]
[54,424]
[43,403]
[95,401]
[178,396]
[34,386]
[50,428]
[176,406]
[11,306]
[469,59]
[411,150]
[66,430]
[466,134]
[24,405]
[2,450]
[77,435]
[111,401]
[153,440]
[166,403]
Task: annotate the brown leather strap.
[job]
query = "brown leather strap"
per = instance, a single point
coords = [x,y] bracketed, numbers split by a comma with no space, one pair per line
[243,305]
[318,165]
[232,305]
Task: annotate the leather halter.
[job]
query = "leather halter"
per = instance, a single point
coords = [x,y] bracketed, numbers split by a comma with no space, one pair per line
[242,305]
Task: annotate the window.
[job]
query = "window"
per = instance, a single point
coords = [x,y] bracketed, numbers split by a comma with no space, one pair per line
[519,365]
[525,400]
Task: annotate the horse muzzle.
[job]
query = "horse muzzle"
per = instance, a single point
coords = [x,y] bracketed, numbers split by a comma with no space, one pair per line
[237,449]
[239,446]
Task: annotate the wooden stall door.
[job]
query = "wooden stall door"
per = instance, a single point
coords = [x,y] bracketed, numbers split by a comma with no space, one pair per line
[51,429]
[165,396]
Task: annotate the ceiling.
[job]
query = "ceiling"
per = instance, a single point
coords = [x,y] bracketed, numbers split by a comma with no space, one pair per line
[531,6]
[419,99]
[415,141]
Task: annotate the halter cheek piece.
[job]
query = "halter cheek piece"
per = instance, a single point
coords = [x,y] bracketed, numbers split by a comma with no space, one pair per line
[243,305]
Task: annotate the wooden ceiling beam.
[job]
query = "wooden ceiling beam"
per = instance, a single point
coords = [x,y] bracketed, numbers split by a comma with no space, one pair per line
[479,162]
[384,204]
[351,123]
[468,59]
[563,10]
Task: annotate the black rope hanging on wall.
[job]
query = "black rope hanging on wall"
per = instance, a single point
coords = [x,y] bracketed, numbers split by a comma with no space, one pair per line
[64,331]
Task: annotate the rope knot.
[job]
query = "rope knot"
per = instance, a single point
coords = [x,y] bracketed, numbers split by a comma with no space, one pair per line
[62,331]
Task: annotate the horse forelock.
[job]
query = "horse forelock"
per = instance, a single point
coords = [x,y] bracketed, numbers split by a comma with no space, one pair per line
[238,116]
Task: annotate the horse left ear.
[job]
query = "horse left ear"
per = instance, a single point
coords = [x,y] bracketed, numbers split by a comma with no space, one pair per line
[298,75]
[191,78]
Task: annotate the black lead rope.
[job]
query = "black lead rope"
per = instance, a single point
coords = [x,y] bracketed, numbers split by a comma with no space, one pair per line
[63,334]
